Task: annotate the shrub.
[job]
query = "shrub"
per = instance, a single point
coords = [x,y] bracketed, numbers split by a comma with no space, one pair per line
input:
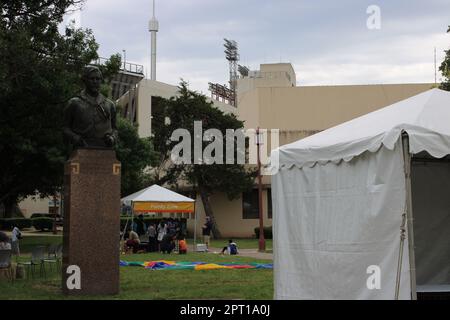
[21,223]
[42,223]
[267,232]
[38,215]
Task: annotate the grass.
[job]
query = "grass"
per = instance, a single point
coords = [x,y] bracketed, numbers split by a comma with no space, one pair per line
[27,242]
[139,283]
[241,243]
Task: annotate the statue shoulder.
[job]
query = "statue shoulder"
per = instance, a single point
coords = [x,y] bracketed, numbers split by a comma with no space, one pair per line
[110,104]
[76,100]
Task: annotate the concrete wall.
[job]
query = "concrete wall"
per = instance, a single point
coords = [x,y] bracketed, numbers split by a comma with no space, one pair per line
[322,107]
[145,90]
[269,76]
[32,205]
[228,215]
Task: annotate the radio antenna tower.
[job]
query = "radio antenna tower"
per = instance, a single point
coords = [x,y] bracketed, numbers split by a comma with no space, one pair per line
[153,27]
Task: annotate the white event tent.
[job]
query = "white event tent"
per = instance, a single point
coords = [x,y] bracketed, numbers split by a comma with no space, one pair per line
[362,210]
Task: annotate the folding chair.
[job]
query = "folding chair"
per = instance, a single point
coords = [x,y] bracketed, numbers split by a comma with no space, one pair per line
[53,256]
[37,259]
[5,263]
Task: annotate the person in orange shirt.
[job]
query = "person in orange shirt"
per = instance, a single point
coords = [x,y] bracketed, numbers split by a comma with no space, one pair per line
[182,246]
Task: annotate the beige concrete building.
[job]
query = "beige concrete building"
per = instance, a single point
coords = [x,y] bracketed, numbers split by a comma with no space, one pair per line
[270,99]
[137,103]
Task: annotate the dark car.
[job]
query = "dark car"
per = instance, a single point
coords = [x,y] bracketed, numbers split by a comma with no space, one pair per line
[59,220]
[38,215]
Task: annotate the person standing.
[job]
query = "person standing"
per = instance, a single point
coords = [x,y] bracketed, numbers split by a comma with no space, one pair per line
[162,231]
[152,241]
[15,237]
[206,232]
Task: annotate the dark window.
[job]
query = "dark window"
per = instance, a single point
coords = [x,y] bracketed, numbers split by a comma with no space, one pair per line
[269,203]
[250,205]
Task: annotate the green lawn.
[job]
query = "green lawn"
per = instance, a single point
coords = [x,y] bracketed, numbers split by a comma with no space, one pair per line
[241,243]
[139,283]
[27,242]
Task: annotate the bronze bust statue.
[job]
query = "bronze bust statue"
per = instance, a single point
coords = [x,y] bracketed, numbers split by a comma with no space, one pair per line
[90,118]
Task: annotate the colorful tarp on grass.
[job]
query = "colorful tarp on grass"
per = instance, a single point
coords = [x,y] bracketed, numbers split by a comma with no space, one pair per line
[187,265]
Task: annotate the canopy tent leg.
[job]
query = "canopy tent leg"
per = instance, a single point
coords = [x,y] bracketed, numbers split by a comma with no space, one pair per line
[400,254]
[195,227]
[124,231]
[409,217]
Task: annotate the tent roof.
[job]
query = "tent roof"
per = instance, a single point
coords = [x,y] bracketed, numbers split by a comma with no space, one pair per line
[425,117]
[157,194]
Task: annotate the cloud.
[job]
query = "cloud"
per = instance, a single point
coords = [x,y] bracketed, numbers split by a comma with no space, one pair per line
[327,41]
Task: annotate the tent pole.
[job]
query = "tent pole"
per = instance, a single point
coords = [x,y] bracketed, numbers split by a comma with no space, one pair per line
[132,215]
[400,254]
[195,227]
[409,214]
[125,229]
[123,237]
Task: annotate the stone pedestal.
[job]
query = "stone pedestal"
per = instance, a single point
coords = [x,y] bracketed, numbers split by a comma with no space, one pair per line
[91,222]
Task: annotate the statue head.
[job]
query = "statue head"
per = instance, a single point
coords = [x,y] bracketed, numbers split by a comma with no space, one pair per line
[92,78]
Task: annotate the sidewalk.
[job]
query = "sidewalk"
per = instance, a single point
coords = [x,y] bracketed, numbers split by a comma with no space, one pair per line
[253,253]
[37,233]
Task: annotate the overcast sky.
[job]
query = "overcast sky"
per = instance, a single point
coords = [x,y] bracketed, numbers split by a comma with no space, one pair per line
[327,41]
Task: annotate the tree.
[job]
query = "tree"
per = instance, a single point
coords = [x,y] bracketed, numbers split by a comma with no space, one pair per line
[39,71]
[136,154]
[183,110]
[445,69]
[109,69]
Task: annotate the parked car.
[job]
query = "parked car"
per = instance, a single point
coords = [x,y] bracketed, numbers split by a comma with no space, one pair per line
[59,220]
[38,215]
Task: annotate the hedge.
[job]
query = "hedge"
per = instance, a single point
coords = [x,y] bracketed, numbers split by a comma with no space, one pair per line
[42,223]
[21,223]
[267,232]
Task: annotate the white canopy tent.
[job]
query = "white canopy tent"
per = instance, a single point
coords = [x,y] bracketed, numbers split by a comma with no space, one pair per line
[345,199]
[160,200]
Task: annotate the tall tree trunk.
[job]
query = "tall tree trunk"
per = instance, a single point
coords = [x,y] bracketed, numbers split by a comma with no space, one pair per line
[209,212]
[10,206]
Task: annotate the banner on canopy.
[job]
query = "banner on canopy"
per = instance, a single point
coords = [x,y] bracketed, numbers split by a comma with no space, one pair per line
[152,206]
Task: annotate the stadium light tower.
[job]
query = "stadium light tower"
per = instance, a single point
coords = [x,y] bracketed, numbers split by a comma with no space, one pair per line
[231,54]
[153,27]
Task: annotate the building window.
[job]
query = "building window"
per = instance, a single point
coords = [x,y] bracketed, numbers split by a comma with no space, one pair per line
[250,205]
[269,203]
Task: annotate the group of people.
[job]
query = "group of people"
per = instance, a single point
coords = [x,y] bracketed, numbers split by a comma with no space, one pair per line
[162,237]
